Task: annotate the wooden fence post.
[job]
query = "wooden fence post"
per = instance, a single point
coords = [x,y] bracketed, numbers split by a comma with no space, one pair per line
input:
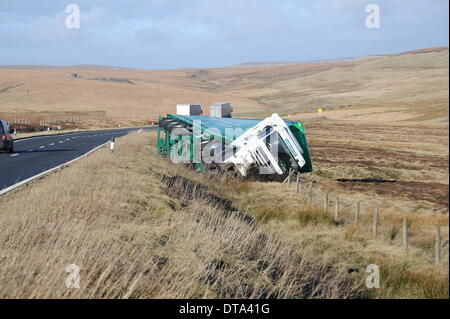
[336,210]
[298,183]
[358,207]
[437,257]
[325,203]
[375,222]
[310,195]
[405,233]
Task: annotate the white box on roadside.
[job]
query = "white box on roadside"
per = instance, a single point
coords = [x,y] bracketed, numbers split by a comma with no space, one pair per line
[189,109]
[221,109]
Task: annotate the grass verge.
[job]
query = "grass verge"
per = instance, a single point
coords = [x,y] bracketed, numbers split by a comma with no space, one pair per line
[138,226]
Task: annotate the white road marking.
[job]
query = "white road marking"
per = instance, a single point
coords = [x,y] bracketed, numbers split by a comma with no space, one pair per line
[55,135]
[60,141]
[52,144]
[14,155]
[42,147]
[30,150]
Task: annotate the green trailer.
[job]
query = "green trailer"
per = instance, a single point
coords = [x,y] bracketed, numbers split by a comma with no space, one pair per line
[241,144]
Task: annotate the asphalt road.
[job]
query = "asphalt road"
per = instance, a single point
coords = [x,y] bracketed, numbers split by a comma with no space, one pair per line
[38,154]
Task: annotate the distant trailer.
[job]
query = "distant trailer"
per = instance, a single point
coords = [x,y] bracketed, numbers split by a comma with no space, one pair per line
[189,109]
[221,109]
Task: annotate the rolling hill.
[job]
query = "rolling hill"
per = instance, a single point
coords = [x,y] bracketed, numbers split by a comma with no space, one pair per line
[407,86]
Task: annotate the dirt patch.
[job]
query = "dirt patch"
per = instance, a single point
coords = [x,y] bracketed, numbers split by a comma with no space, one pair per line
[364,180]
[361,158]
[373,156]
[435,193]
[118,80]
[5,89]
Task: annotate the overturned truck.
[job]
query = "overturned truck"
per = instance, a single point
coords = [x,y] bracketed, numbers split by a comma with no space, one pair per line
[259,148]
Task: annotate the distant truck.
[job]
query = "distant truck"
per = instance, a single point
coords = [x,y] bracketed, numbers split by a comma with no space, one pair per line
[246,147]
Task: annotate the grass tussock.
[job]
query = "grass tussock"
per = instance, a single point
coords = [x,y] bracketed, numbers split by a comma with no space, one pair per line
[426,282]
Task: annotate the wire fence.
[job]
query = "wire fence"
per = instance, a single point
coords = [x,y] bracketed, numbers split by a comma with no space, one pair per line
[55,119]
[402,231]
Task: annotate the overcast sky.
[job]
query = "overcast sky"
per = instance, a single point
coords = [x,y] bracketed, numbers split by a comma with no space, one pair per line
[159,34]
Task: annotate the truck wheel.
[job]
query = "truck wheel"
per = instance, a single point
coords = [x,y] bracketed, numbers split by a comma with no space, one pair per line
[163,122]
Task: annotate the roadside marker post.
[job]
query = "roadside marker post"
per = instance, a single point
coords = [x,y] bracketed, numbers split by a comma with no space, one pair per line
[113,142]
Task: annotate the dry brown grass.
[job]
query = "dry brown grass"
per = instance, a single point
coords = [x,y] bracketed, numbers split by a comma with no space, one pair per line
[152,93]
[133,236]
[404,275]
[141,227]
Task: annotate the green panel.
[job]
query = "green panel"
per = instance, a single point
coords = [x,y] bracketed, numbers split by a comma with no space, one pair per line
[299,133]
[160,141]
